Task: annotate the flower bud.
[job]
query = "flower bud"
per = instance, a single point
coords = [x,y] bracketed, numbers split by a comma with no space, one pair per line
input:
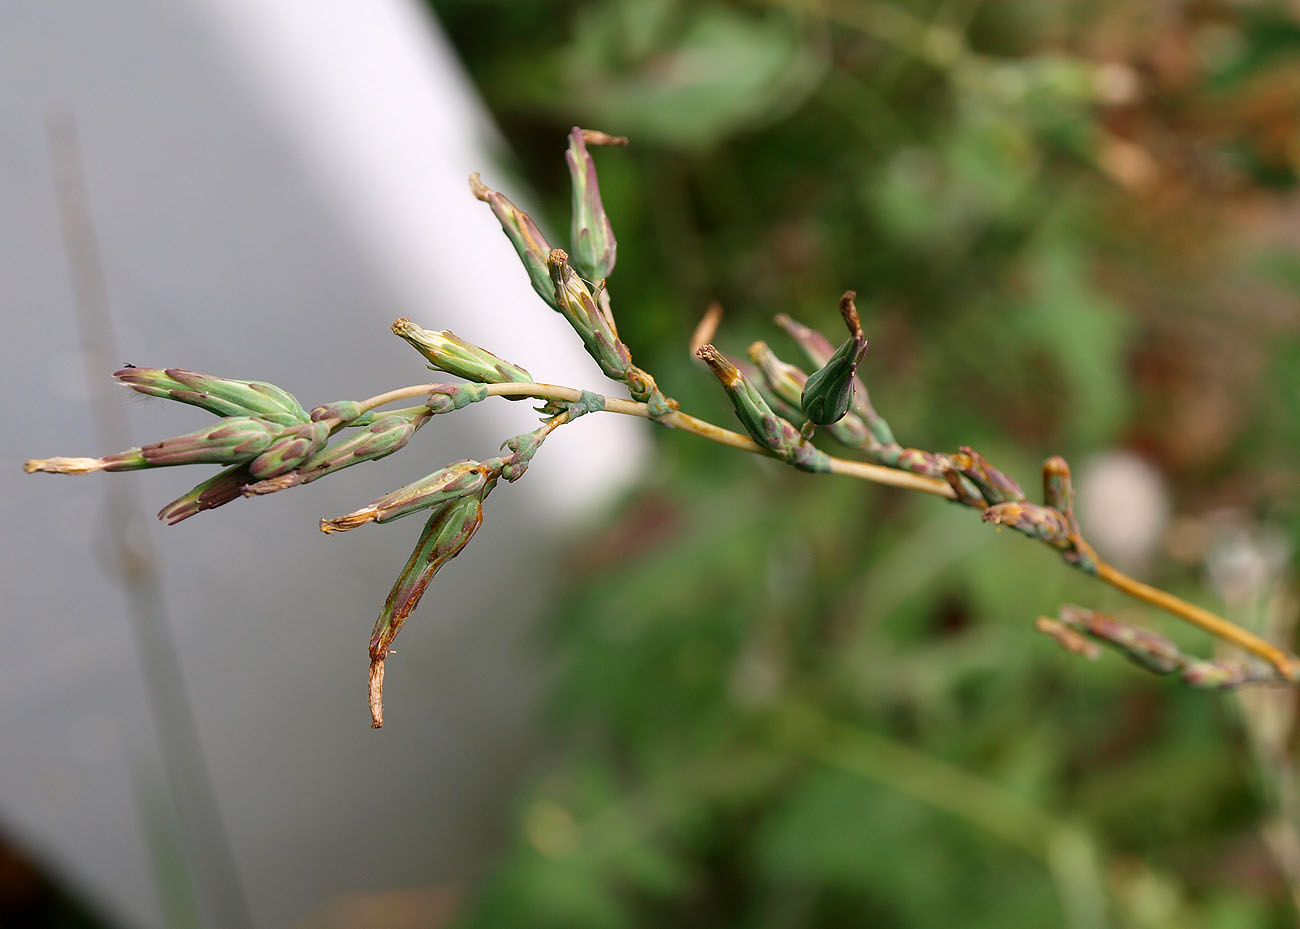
[995,486]
[216,491]
[292,448]
[592,236]
[598,332]
[763,425]
[381,438]
[223,396]
[445,534]
[828,393]
[458,479]
[1037,522]
[448,352]
[233,440]
[786,382]
[523,235]
[1140,646]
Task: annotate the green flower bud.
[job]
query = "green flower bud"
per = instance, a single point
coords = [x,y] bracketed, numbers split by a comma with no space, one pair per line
[1140,646]
[448,352]
[786,383]
[292,448]
[763,425]
[592,237]
[223,396]
[599,334]
[216,491]
[523,235]
[458,479]
[828,393]
[445,535]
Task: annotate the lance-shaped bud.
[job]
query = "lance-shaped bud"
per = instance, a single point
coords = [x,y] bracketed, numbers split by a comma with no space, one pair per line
[381,438]
[1140,646]
[995,486]
[1037,522]
[828,393]
[292,448]
[599,335]
[216,491]
[234,440]
[448,352]
[523,235]
[818,350]
[220,395]
[458,479]
[445,535]
[770,431]
[592,237]
[786,383]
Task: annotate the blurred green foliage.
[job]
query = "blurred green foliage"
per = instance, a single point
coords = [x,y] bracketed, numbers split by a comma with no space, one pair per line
[791,701]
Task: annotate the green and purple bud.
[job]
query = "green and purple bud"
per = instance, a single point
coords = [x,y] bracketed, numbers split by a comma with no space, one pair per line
[818,350]
[381,438]
[785,382]
[995,486]
[577,304]
[340,412]
[770,431]
[828,392]
[447,532]
[446,398]
[523,235]
[234,440]
[289,450]
[446,351]
[216,491]
[220,395]
[1140,646]
[592,236]
[459,479]
[1037,522]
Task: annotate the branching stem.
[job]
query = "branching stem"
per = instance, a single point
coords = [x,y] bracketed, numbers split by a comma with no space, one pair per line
[1287,665]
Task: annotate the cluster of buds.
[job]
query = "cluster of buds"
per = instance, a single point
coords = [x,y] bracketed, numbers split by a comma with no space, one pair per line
[266,441]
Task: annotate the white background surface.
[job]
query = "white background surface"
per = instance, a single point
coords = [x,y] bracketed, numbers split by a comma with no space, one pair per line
[271,184]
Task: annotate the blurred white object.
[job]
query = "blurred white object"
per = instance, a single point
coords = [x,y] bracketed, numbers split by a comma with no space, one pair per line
[270,184]
[1245,559]
[1122,506]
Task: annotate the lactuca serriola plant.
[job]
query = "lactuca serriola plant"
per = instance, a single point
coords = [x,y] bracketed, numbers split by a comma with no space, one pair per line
[266,441]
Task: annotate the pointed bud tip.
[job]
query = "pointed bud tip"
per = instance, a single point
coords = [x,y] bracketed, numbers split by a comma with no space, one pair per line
[720,364]
[375,693]
[478,188]
[596,137]
[348,520]
[63,465]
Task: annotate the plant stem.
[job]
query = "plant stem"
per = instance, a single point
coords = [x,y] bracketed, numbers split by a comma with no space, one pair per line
[1287,664]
